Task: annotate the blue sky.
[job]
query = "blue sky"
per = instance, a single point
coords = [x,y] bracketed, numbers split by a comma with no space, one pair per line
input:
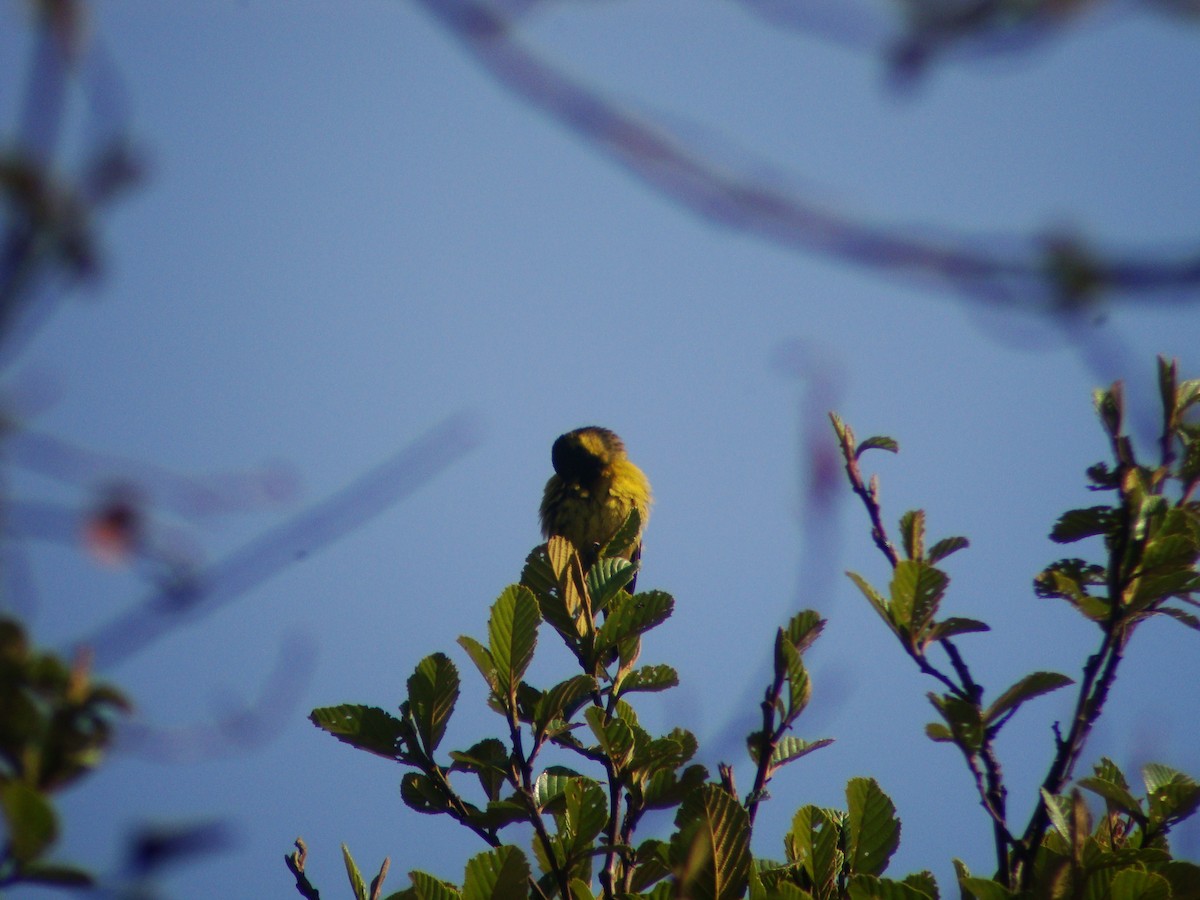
[349,232]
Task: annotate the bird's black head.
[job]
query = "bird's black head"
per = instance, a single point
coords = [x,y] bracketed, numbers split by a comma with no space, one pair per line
[582,454]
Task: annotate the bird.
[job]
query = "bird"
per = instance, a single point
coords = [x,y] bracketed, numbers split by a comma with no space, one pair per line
[593,490]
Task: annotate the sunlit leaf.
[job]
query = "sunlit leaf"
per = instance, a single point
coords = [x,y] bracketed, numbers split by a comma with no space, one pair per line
[1032,685]
[512,636]
[877,442]
[32,823]
[365,727]
[356,880]
[874,830]
[945,547]
[912,533]
[500,874]
[432,693]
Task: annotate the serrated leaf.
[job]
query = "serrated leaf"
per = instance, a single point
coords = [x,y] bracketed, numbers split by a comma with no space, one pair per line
[629,616]
[649,679]
[1115,795]
[1171,795]
[356,880]
[607,576]
[1055,810]
[964,719]
[482,657]
[512,636]
[1134,884]
[877,442]
[874,831]
[365,727]
[1183,618]
[421,795]
[924,882]
[1077,524]
[954,626]
[432,693]
[1032,685]
[500,874]
[877,599]
[813,844]
[803,628]
[916,591]
[912,533]
[799,688]
[714,837]
[563,700]
[791,748]
[945,547]
[615,736]
[584,814]
[426,887]
[490,762]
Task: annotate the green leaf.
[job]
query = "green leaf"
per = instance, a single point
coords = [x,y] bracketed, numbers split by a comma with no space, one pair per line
[633,615]
[648,679]
[562,701]
[32,823]
[426,887]
[916,590]
[912,533]
[799,688]
[945,547]
[979,888]
[1171,795]
[500,874]
[1184,878]
[964,719]
[1180,616]
[874,829]
[1077,524]
[924,882]
[938,732]
[615,736]
[482,657]
[1056,809]
[356,880]
[432,693]
[512,636]
[365,727]
[420,794]
[490,762]
[803,628]
[877,442]
[790,749]
[877,600]
[1134,884]
[606,577]
[1033,685]
[954,626]
[584,814]
[712,844]
[1116,796]
[813,843]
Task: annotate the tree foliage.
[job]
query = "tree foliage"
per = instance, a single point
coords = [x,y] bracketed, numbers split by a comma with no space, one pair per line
[585,816]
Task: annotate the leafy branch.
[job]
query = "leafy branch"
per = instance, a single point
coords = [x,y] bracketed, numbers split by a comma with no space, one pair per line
[1151,537]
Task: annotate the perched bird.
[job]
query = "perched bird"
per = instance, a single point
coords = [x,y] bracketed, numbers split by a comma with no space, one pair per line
[592,491]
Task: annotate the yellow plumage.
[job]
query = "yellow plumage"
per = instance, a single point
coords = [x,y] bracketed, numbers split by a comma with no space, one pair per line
[592,491]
